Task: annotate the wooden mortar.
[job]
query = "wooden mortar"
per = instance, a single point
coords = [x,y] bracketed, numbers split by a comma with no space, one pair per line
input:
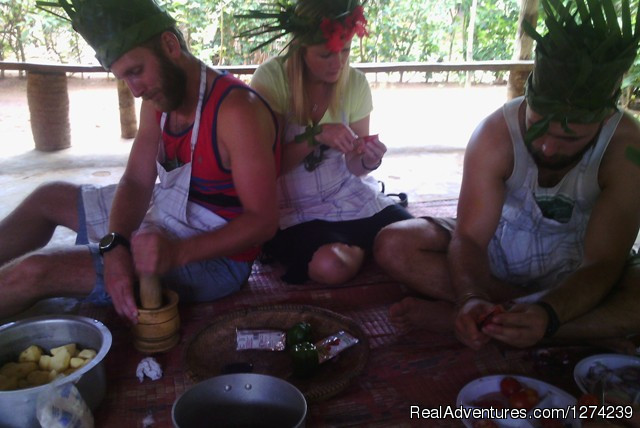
[158,324]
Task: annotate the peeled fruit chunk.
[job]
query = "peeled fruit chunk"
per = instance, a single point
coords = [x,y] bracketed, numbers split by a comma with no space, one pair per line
[69,347]
[34,367]
[38,377]
[60,360]
[87,354]
[45,362]
[18,370]
[31,354]
[76,363]
[8,383]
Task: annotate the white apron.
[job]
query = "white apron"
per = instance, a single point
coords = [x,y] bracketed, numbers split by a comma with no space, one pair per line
[171,209]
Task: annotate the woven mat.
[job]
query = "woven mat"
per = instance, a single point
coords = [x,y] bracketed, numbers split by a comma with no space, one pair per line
[421,369]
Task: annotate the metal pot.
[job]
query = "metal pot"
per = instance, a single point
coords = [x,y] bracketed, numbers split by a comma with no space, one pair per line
[240,400]
[18,408]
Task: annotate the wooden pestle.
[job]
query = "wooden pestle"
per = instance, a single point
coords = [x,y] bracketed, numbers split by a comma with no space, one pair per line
[150,292]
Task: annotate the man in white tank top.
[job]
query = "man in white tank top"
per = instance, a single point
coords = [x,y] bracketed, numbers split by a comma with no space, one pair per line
[548,211]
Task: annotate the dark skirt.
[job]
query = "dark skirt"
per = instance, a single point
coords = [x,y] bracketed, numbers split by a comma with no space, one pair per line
[294,247]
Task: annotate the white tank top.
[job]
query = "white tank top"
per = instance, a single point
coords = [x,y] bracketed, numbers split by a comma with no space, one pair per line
[540,236]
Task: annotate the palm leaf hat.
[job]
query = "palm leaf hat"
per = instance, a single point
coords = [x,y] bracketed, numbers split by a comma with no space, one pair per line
[112,27]
[310,22]
[580,62]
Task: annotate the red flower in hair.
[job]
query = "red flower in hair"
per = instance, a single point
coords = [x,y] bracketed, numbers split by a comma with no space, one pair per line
[337,34]
[357,22]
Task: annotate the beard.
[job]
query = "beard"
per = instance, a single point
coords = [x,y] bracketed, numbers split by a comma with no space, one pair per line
[555,163]
[559,162]
[173,83]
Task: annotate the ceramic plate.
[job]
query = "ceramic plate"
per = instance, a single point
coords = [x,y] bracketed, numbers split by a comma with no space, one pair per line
[590,369]
[488,386]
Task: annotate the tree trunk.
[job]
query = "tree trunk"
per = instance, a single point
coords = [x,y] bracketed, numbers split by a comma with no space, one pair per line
[128,120]
[523,48]
[470,35]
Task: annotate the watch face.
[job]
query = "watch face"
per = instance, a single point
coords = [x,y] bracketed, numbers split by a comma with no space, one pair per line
[107,241]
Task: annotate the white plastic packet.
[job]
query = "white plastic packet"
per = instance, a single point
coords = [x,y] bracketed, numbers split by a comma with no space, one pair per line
[62,406]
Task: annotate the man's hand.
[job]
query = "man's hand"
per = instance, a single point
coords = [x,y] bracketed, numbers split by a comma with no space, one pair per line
[337,136]
[467,320]
[153,252]
[522,326]
[119,279]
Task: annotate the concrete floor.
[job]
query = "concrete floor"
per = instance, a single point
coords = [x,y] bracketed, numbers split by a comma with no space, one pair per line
[424,158]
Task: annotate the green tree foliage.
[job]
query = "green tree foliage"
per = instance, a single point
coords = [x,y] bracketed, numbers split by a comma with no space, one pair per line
[400,30]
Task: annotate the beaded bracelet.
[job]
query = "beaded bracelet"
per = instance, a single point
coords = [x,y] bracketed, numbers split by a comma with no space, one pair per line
[309,135]
[376,166]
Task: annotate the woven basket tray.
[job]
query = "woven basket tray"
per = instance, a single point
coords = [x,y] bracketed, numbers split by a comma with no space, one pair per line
[215,347]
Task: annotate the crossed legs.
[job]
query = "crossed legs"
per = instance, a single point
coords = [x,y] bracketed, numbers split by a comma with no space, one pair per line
[414,252]
[28,272]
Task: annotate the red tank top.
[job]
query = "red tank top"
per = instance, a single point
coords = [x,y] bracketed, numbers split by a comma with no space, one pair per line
[212,184]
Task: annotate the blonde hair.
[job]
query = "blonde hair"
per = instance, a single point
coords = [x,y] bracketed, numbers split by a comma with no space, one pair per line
[297,76]
[297,73]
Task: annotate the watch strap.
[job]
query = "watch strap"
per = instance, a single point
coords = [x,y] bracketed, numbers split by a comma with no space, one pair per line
[553,323]
[115,240]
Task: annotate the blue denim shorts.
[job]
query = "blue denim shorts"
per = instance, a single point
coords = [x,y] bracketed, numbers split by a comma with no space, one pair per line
[196,282]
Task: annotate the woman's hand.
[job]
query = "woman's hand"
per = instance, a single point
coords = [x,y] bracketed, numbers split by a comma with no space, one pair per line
[372,150]
[337,136]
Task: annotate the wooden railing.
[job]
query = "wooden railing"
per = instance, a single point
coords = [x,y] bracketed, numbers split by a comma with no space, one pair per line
[397,67]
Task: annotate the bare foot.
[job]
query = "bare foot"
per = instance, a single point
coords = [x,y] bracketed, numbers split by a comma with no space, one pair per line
[418,314]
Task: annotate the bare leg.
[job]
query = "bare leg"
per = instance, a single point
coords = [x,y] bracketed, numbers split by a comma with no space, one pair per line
[47,273]
[414,252]
[31,225]
[336,263]
[617,317]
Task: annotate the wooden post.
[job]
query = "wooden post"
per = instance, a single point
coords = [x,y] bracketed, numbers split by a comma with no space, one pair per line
[128,119]
[523,48]
[48,101]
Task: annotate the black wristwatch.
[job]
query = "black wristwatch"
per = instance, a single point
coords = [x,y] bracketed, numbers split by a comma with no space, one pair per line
[111,241]
[553,323]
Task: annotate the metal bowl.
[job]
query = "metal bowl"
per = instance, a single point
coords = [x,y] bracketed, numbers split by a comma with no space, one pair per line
[18,408]
[241,400]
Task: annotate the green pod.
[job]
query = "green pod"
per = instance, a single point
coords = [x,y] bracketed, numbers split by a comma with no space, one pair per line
[299,333]
[305,359]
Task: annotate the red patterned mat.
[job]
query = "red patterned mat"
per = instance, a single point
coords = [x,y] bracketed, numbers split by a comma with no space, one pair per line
[424,370]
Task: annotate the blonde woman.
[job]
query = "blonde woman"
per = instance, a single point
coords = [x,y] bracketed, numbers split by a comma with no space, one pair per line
[330,210]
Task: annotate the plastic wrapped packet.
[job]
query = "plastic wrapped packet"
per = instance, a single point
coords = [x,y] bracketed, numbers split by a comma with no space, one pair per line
[63,407]
[269,340]
[332,345]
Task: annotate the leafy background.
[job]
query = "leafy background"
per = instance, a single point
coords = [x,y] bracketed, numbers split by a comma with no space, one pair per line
[400,31]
